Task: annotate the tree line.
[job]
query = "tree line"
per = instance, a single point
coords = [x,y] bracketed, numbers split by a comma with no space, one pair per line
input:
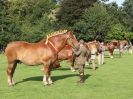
[32,20]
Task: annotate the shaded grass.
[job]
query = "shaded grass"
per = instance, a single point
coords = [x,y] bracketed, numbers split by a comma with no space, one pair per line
[113,80]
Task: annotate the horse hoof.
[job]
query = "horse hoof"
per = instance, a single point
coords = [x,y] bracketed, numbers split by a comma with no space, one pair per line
[50,83]
[111,57]
[73,70]
[94,69]
[11,85]
[45,83]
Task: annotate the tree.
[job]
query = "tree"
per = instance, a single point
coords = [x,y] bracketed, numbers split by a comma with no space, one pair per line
[94,24]
[128,8]
[4,23]
[71,11]
[26,20]
[117,32]
[118,15]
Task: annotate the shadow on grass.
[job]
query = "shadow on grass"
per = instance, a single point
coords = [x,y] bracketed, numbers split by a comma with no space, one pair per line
[61,68]
[90,67]
[116,55]
[54,78]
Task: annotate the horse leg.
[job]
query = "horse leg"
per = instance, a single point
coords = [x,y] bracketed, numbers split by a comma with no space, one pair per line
[47,78]
[131,50]
[10,71]
[72,66]
[99,58]
[93,64]
[49,75]
[102,57]
[72,69]
[111,54]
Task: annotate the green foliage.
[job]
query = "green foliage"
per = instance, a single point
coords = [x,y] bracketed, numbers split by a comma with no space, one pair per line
[72,10]
[7,26]
[31,20]
[116,32]
[118,15]
[128,8]
[129,36]
[94,24]
[26,20]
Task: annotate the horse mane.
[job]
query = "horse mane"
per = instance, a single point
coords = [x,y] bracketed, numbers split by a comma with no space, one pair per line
[55,33]
[45,39]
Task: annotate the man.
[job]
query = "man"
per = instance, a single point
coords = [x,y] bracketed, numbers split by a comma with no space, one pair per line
[101,54]
[93,58]
[81,53]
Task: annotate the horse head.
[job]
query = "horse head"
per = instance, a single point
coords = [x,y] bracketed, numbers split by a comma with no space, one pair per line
[59,39]
[71,40]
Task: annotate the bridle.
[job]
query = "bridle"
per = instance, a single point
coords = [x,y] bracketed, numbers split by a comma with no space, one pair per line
[71,43]
[53,45]
[48,41]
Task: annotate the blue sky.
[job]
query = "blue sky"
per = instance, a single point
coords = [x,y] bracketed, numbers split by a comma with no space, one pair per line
[119,2]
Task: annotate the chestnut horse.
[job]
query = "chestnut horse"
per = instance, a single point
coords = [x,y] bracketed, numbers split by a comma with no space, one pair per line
[44,52]
[95,48]
[125,44]
[67,54]
[111,46]
[121,45]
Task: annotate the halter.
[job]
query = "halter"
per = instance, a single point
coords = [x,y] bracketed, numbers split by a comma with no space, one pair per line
[53,46]
[47,40]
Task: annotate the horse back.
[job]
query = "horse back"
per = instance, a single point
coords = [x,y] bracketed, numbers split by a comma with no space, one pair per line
[28,53]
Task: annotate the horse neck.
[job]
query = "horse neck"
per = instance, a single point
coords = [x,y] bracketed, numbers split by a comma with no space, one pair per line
[58,43]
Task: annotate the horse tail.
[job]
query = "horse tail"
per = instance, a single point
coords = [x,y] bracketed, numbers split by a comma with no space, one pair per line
[3,48]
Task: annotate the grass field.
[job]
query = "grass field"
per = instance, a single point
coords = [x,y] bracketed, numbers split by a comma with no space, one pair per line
[113,80]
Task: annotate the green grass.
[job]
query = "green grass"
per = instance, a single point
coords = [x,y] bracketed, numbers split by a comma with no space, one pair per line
[113,80]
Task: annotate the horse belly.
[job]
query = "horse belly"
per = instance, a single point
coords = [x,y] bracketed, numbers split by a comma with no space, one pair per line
[36,59]
[29,58]
[31,61]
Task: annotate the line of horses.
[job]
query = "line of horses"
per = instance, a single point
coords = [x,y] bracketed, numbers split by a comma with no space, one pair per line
[49,52]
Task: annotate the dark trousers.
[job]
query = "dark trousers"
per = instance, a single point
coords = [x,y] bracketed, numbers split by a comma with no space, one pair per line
[81,68]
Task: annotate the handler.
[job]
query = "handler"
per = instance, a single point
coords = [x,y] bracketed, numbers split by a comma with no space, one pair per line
[81,53]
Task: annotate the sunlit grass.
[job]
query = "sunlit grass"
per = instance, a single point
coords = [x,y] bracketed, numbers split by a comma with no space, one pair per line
[113,80]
